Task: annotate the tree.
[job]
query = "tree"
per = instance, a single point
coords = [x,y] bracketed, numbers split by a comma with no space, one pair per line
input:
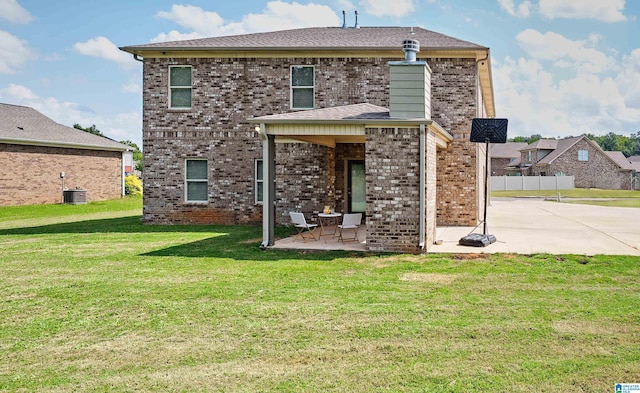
[628,145]
[91,130]
[526,139]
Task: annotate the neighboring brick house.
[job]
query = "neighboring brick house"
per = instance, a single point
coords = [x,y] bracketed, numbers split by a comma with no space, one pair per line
[580,157]
[35,150]
[220,112]
[635,166]
[504,155]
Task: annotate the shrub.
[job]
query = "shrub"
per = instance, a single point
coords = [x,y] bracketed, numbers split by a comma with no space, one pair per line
[132,185]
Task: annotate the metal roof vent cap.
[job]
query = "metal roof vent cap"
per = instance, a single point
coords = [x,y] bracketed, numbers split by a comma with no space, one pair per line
[410,49]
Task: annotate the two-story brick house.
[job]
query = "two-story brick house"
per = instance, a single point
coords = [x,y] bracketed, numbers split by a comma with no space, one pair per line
[301,115]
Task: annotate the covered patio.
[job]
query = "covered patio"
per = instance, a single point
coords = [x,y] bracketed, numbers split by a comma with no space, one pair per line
[400,156]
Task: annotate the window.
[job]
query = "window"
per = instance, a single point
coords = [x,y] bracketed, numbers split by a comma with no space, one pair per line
[583,155]
[302,87]
[259,187]
[529,156]
[180,87]
[197,189]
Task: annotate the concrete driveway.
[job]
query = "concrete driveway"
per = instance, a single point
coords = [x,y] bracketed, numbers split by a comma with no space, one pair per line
[532,225]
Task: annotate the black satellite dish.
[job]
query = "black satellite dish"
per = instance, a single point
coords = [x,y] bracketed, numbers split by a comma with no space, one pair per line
[485,131]
[489,130]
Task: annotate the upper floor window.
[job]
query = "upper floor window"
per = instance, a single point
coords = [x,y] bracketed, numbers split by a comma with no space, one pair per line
[180,87]
[197,179]
[302,87]
[583,155]
[529,156]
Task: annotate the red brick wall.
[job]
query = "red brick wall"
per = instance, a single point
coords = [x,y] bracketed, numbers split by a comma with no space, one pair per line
[597,172]
[31,174]
[460,181]
[227,92]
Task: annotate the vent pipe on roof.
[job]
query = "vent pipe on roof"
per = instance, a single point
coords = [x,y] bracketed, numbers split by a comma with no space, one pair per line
[410,49]
[357,26]
[344,19]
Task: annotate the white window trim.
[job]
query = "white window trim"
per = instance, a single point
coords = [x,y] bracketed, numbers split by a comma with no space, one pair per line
[257,181]
[186,182]
[292,87]
[180,87]
[583,155]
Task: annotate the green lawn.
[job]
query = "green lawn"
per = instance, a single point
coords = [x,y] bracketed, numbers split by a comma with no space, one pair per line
[106,304]
[575,193]
[588,196]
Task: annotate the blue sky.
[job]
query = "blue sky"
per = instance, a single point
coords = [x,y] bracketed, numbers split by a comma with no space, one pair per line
[560,67]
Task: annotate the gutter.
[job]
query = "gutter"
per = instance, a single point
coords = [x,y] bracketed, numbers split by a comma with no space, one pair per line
[32,142]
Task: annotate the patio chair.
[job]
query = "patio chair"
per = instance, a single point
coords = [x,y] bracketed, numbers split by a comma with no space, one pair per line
[350,221]
[301,225]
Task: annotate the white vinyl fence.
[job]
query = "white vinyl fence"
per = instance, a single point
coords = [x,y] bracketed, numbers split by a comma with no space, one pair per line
[502,183]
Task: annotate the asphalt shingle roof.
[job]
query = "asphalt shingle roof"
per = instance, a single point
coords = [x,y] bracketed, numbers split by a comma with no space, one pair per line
[620,159]
[318,38]
[362,111]
[24,125]
[507,150]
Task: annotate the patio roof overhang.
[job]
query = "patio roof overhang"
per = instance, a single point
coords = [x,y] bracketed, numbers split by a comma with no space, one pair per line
[344,124]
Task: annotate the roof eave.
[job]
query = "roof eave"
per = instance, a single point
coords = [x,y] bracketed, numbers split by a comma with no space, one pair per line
[366,122]
[31,142]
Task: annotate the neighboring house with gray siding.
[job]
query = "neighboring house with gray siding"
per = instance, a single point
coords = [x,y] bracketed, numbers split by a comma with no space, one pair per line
[35,150]
[580,157]
[313,117]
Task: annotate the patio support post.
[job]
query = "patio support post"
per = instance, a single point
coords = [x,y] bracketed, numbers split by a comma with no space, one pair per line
[423,146]
[268,175]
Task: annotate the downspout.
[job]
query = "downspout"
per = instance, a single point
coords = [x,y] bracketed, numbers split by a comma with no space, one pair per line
[423,144]
[138,58]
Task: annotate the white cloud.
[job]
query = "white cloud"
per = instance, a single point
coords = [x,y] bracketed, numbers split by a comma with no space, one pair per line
[555,47]
[381,8]
[521,11]
[346,5]
[537,102]
[605,11]
[194,18]
[118,126]
[17,93]
[277,15]
[175,35]
[13,12]
[14,52]
[131,88]
[629,78]
[102,48]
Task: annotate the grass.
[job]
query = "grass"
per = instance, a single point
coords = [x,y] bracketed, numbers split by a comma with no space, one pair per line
[109,305]
[575,193]
[587,196]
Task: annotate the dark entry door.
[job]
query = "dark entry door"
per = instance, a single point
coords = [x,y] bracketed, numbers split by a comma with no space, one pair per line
[356,187]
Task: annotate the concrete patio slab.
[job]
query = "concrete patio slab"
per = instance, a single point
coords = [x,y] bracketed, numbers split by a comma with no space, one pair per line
[533,225]
[526,226]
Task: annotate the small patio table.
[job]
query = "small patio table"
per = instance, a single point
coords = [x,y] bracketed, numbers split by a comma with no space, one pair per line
[324,219]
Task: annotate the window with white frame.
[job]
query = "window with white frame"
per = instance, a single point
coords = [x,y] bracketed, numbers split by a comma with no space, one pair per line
[302,87]
[529,156]
[180,87]
[259,182]
[197,181]
[583,155]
